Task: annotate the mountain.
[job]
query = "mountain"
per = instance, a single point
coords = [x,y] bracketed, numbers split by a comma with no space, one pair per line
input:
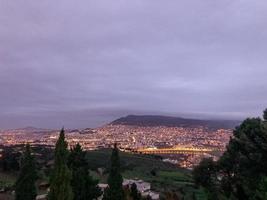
[32,129]
[156,120]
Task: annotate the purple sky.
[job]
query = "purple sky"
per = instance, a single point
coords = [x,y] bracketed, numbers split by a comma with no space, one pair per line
[83,63]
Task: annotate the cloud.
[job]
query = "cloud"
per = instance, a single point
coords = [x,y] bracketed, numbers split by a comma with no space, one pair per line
[174,57]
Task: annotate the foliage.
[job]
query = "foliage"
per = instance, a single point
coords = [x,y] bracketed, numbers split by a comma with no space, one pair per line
[10,159]
[239,171]
[60,182]
[245,161]
[168,176]
[25,188]
[115,190]
[205,173]
[265,114]
[261,193]
[83,185]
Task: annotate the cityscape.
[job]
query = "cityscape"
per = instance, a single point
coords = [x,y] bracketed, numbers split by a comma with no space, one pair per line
[183,146]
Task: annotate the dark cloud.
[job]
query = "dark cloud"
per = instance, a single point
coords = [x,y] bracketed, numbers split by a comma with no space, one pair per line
[84,63]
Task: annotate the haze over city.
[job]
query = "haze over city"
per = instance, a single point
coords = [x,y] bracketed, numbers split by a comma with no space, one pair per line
[83,64]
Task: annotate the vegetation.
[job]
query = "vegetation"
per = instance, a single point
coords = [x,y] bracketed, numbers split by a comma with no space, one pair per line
[137,166]
[114,190]
[238,174]
[153,120]
[7,180]
[83,185]
[60,185]
[25,188]
[10,159]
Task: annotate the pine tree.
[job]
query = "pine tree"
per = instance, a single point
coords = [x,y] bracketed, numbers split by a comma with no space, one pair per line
[84,187]
[115,189]
[25,188]
[245,161]
[60,182]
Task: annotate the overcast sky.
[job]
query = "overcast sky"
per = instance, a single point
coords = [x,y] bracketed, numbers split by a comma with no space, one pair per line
[83,63]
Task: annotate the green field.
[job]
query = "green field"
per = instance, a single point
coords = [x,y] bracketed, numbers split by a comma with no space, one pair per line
[162,176]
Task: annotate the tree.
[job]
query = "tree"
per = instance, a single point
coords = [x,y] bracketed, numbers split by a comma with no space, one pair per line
[242,166]
[115,189]
[25,188]
[205,175]
[84,187]
[244,162]
[10,159]
[261,193]
[134,192]
[60,181]
[265,114]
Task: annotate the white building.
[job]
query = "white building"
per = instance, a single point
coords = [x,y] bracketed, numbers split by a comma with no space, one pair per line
[143,187]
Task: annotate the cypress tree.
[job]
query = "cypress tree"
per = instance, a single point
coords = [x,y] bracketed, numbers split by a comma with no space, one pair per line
[25,188]
[60,188]
[115,189]
[84,187]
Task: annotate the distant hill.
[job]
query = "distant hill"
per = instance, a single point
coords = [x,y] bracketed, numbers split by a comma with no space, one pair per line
[155,120]
[30,128]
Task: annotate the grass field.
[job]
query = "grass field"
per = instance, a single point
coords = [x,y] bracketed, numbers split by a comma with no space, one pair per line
[162,176]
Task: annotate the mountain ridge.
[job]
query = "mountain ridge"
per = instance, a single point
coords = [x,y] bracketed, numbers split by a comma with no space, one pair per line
[168,121]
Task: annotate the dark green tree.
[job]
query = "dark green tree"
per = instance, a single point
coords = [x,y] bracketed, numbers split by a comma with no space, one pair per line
[10,159]
[241,167]
[265,114]
[134,192]
[60,181]
[84,187]
[115,189]
[205,175]
[25,188]
[245,162]
[261,193]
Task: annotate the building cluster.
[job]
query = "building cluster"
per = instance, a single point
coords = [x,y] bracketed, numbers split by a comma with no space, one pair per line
[144,188]
[132,138]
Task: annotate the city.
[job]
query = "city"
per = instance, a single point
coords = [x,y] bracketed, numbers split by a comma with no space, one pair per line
[189,145]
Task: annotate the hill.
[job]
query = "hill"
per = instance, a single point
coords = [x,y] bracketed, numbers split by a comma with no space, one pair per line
[162,176]
[156,120]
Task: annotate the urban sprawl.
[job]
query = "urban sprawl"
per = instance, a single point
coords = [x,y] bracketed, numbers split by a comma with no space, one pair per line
[182,146]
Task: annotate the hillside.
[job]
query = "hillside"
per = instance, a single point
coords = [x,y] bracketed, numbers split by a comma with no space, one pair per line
[162,176]
[154,120]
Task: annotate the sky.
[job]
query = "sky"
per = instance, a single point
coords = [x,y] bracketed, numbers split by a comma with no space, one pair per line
[84,63]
